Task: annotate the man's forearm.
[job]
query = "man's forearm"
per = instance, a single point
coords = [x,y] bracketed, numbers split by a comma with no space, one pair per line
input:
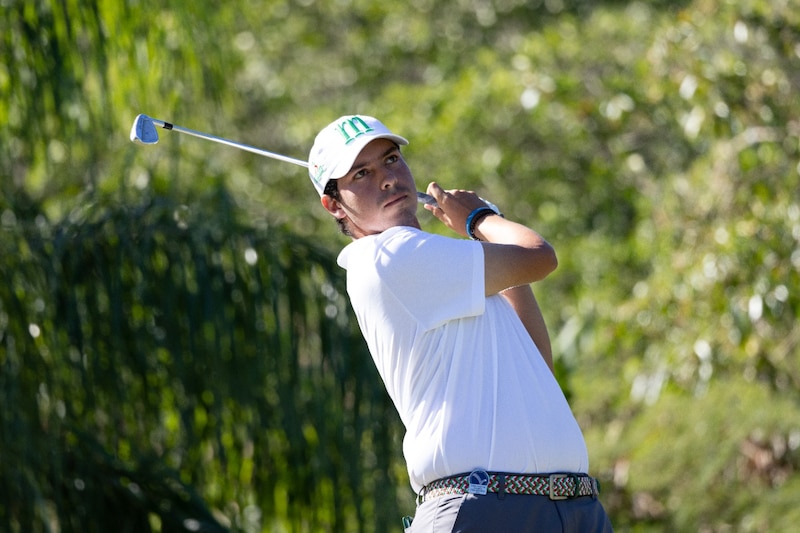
[527,308]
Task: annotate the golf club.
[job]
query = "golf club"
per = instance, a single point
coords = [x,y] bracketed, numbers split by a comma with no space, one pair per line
[144,131]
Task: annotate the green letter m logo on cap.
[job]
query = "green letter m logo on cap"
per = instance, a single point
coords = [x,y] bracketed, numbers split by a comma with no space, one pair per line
[352,128]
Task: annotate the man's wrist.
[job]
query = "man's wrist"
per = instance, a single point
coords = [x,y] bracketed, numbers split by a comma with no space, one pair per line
[475,217]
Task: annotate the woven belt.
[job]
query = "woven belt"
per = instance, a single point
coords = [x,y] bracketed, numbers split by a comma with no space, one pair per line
[555,486]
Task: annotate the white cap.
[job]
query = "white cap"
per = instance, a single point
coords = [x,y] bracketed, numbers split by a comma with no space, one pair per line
[338,145]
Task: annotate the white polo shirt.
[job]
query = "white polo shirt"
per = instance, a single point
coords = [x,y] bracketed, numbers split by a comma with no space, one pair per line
[467,380]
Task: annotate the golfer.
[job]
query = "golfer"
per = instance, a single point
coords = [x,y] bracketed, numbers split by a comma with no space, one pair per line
[460,343]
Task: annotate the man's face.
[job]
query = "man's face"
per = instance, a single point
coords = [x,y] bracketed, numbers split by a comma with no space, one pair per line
[378,193]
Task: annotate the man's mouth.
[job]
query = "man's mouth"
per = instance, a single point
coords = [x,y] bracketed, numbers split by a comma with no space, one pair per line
[395,199]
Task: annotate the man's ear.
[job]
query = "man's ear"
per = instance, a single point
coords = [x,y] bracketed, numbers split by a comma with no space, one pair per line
[332,206]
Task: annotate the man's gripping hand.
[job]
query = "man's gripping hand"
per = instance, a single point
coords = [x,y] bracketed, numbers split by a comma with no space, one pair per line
[454,207]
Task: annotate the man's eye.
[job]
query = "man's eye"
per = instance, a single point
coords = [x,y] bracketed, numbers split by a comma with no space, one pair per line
[360,174]
[392,159]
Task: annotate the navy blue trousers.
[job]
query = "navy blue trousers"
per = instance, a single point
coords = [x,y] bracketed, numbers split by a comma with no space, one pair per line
[470,513]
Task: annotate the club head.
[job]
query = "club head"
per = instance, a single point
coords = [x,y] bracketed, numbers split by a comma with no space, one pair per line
[143,130]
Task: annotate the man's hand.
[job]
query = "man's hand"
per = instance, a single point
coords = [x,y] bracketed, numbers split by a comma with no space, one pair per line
[455,205]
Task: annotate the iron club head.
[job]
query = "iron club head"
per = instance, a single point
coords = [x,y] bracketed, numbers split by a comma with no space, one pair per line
[143,130]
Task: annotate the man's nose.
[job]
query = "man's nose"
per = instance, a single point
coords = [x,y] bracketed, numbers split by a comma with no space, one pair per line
[388,178]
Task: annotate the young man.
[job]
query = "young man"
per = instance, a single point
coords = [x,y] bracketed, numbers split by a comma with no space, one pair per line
[459,341]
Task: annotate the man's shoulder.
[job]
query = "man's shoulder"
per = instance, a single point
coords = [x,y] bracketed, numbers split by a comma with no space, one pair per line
[396,233]
[393,240]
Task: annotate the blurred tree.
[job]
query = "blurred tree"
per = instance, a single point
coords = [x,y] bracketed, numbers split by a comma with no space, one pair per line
[152,337]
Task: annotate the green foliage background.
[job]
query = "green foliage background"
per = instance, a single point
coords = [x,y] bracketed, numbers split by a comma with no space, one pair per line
[176,349]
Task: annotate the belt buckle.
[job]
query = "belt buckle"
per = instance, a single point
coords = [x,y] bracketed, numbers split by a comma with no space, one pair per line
[555,477]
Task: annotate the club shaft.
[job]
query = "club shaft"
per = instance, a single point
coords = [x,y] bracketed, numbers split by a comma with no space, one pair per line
[228,142]
[139,133]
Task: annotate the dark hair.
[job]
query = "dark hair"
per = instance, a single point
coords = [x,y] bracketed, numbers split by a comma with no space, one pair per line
[332,190]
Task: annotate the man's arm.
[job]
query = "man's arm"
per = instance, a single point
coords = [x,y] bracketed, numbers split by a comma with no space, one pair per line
[527,308]
[514,257]
[513,254]
[505,263]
